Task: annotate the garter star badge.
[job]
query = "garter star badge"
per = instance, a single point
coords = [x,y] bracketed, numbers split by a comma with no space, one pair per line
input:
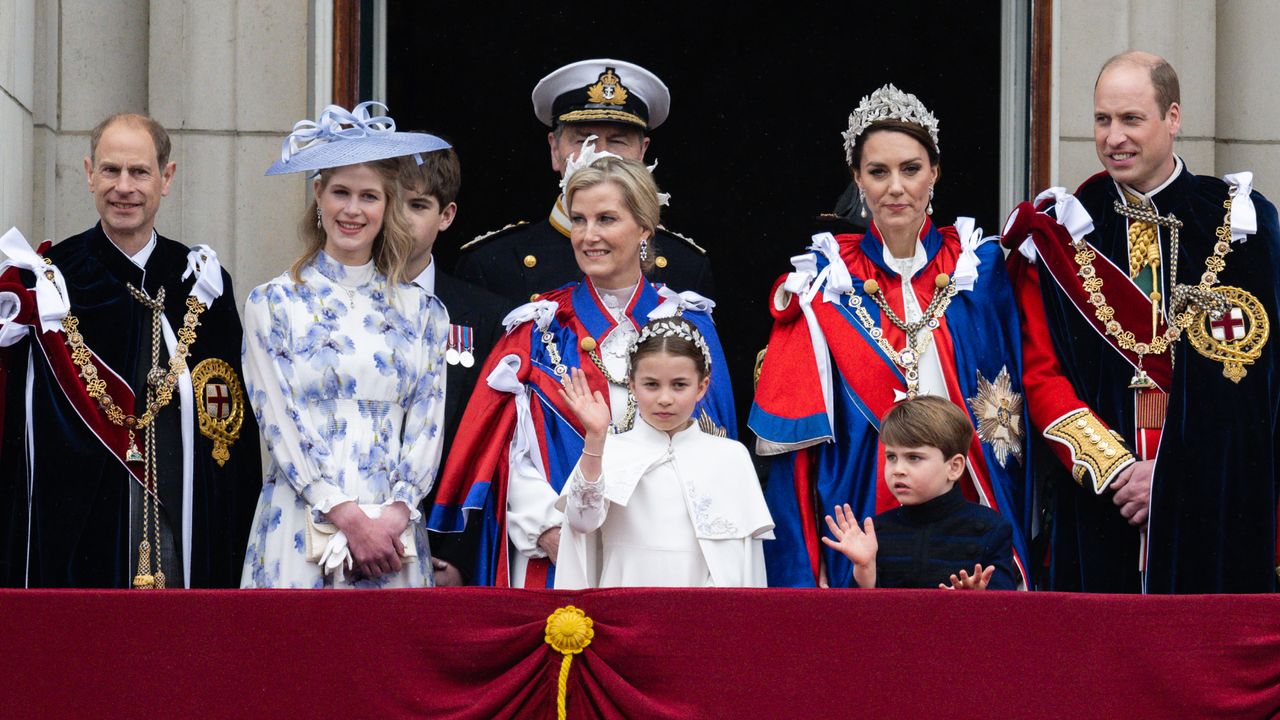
[998,410]
[608,90]
[219,406]
[1236,338]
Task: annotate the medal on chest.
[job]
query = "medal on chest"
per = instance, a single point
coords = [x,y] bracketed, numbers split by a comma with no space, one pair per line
[461,347]
[1235,338]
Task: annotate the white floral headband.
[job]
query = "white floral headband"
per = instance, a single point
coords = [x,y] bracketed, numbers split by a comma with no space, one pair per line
[669,328]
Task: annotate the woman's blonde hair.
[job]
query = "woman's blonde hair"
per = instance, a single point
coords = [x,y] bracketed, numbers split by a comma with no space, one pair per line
[391,247]
[639,193]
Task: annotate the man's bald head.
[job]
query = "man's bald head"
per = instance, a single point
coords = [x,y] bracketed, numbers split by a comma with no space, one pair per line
[1163,77]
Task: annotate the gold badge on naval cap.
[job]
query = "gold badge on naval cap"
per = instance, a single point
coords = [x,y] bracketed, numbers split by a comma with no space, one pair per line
[221,405]
[608,89]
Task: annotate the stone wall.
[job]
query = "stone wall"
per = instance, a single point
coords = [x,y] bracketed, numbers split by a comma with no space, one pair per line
[228,78]
[1221,51]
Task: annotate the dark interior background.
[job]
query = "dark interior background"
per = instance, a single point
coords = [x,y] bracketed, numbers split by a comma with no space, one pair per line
[752,150]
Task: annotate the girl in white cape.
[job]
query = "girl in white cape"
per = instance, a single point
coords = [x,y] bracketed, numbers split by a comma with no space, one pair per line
[663,504]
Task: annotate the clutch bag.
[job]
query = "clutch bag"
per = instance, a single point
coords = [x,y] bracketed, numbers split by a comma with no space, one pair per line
[318,534]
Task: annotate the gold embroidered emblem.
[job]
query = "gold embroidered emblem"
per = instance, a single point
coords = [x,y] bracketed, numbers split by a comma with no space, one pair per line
[608,90]
[1236,337]
[999,412]
[219,406]
[1094,449]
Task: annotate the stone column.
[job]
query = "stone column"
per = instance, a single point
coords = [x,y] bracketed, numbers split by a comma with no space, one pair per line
[17,105]
[1091,31]
[229,79]
[1248,136]
[99,66]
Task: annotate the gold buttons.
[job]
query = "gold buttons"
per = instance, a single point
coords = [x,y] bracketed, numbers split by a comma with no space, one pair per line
[871,287]
[587,344]
[660,261]
[530,261]
[534,296]
[942,280]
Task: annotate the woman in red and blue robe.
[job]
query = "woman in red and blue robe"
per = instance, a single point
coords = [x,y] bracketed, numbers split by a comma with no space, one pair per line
[837,361]
[518,440]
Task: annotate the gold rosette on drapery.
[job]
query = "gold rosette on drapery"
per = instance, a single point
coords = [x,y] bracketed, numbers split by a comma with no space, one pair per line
[569,631]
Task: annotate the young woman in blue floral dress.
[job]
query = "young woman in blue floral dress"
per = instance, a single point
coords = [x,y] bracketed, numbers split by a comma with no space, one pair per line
[345,372]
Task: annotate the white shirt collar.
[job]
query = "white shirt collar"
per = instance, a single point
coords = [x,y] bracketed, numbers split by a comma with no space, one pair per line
[139,258]
[912,264]
[427,278]
[1177,170]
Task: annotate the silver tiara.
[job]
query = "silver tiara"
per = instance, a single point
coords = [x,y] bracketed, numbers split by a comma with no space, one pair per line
[667,328]
[888,103]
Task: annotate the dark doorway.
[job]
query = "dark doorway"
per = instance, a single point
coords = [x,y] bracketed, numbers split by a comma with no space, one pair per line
[752,151]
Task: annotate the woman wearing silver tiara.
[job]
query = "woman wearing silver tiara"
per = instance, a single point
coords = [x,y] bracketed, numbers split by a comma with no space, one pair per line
[864,321]
[345,372]
[519,439]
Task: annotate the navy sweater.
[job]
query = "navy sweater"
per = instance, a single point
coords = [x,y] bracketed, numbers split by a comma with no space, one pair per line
[922,545]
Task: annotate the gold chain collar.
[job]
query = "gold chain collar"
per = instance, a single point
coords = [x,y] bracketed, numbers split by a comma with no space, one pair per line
[1187,302]
[163,383]
[909,357]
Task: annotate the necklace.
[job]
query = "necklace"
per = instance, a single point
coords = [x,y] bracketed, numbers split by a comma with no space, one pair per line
[908,358]
[628,417]
[1182,298]
[562,372]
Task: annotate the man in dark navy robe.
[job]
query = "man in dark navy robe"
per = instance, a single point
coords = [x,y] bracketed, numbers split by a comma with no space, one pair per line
[619,103]
[1148,299]
[129,457]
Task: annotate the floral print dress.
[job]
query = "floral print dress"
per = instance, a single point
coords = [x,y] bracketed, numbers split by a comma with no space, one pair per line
[346,377]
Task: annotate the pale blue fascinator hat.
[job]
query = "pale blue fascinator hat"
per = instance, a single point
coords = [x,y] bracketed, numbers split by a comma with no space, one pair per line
[339,138]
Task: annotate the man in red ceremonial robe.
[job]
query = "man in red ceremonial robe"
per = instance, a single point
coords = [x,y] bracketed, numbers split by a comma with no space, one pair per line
[1146,299]
[129,457]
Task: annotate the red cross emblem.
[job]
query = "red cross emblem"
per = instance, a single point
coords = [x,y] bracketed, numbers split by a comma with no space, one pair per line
[217,400]
[1229,327]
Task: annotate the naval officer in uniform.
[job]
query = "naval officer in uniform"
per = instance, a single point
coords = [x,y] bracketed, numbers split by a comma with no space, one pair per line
[619,103]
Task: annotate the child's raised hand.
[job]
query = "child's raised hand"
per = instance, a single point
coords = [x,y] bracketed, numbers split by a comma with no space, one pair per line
[857,544]
[977,581]
[588,405]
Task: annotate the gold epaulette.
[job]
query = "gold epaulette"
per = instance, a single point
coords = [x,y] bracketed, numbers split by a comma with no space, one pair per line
[481,238]
[1094,448]
[688,241]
